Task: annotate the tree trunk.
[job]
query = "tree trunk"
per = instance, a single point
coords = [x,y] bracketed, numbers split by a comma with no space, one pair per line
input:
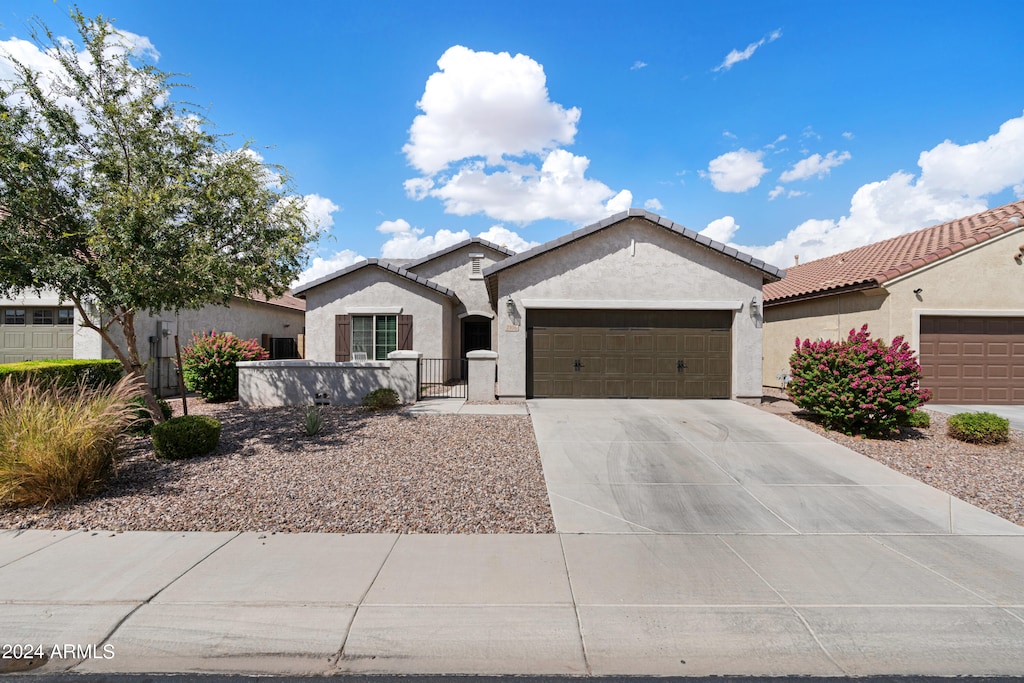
[129,357]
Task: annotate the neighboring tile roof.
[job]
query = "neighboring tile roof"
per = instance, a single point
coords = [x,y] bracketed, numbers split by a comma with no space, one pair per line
[869,266]
[771,273]
[379,263]
[286,300]
[464,243]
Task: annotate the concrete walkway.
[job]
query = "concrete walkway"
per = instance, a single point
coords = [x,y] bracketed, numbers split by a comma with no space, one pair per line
[835,578]
[1015,414]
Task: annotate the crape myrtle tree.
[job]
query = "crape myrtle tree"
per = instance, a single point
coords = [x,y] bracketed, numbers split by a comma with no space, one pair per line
[119,199]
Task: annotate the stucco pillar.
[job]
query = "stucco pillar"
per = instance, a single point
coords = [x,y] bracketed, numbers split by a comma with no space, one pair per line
[482,367]
[404,379]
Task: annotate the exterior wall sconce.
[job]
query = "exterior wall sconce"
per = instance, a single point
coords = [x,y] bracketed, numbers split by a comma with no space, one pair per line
[510,306]
[918,291]
[754,313]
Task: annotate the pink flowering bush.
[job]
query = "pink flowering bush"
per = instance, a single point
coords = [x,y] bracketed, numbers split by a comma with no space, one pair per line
[208,364]
[857,386]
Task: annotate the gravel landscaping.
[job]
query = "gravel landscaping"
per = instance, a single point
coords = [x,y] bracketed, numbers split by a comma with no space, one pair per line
[365,472]
[990,477]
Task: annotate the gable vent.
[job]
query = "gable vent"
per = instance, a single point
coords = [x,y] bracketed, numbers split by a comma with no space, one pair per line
[476,271]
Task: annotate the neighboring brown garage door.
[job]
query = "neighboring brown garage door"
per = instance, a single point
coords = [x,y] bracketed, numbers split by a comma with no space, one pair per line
[973,359]
[628,354]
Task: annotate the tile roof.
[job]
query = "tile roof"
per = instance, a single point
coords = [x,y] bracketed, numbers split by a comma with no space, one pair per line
[869,266]
[455,247]
[379,263]
[771,273]
[286,300]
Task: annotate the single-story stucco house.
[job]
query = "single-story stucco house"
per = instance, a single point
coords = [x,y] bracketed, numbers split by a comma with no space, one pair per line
[954,291]
[634,306]
[41,326]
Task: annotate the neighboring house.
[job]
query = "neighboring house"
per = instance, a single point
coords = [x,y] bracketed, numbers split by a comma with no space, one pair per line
[633,306]
[37,327]
[954,291]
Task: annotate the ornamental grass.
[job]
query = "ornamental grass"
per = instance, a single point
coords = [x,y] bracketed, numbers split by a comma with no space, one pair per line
[59,444]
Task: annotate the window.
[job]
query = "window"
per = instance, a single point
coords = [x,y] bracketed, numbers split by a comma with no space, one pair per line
[42,316]
[65,316]
[14,316]
[374,335]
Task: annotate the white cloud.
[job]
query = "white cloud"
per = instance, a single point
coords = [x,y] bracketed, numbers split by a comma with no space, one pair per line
[489,142]
[504,237]
[728,134]
[637,65]
[736,171]
[848,135]
[321,210]
[775,192]
[483,104]
[721,229]
[979,168]
[521,194]
[321,267]
[815,165]
[653,204]
[736,56]
[406,241]
[953,182]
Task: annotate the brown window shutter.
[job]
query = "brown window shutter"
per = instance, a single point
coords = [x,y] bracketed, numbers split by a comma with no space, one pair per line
[342,338]
[405,333]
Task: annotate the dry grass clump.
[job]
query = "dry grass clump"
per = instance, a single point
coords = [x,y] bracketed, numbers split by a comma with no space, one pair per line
[59,443]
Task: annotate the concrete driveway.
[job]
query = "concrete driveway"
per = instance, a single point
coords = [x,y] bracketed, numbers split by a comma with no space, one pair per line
[722,467]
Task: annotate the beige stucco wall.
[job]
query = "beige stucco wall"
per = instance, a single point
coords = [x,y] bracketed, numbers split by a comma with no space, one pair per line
[373,289]
[454,271]
[983,280]
[631,262]
[243,318]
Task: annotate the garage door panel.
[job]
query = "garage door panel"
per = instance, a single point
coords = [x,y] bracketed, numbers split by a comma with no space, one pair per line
[973,359]
[14,340]
[638,361]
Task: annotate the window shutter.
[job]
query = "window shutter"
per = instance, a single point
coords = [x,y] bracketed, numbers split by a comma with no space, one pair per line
[405,333]
[342,338]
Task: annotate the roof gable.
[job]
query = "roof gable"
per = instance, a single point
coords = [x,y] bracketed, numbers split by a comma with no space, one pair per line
[502,251]
[770,273]
[301,290]
[871,265]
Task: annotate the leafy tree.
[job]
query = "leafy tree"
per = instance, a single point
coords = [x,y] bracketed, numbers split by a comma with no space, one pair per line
[118,197]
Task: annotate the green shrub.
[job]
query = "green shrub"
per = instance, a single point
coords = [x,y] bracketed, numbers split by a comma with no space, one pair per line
[58,443]
[919,419]
[144,418]
[381,399]
[857,386]
[208,364]
[314,420]
[188,436]
[94,374]
[984,428]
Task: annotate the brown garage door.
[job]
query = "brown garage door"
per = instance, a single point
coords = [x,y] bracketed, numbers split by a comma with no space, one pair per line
[973,359]
[628,354]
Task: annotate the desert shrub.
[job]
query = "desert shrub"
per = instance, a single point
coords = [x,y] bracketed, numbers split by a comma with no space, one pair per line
[93,374]
[857,386]
[919,419]
[208,364]
[144,418]
[381,399]
[188,436]
[984,428]
[59,443]
[313,420]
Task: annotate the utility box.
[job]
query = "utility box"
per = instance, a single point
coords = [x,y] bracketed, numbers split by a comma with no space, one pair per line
[165,331]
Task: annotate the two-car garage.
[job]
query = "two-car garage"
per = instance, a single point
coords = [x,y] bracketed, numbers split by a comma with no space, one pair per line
[629,354]
[973,359]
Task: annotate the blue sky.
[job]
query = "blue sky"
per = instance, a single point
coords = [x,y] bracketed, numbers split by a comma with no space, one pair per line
[783,128]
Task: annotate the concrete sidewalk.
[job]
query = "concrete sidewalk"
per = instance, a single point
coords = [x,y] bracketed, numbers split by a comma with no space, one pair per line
[683,604]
